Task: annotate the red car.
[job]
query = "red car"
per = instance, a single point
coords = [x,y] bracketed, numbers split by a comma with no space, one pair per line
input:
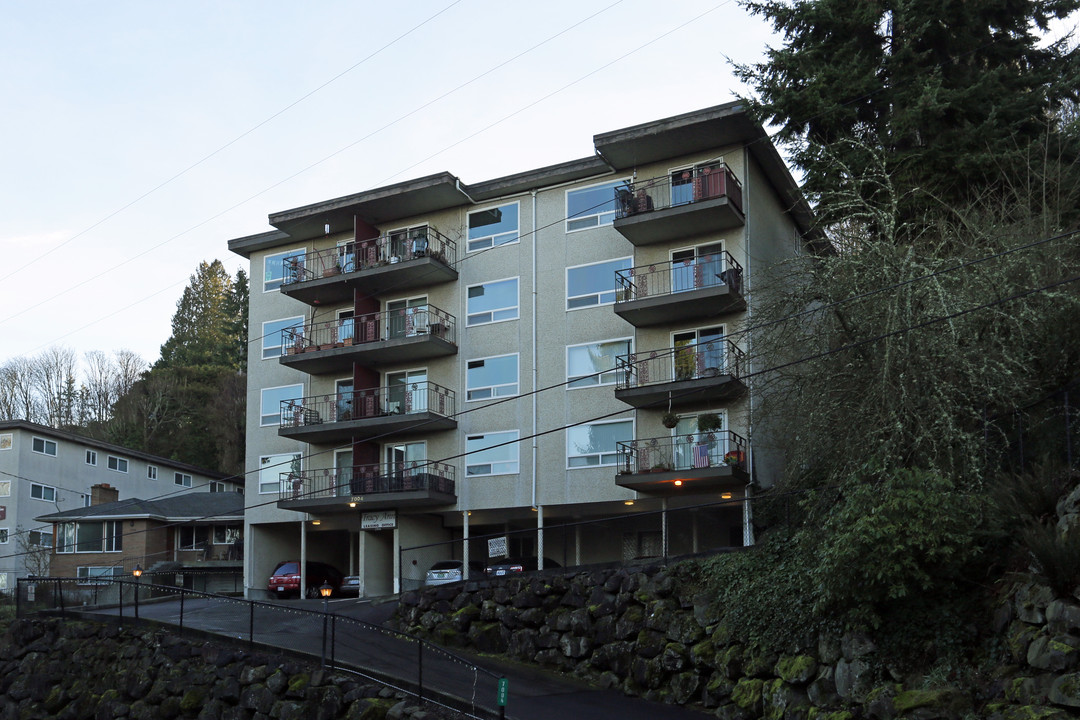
[285,580]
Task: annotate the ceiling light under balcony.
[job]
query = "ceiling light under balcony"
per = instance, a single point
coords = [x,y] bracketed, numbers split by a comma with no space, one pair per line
[678,483]
[725,496]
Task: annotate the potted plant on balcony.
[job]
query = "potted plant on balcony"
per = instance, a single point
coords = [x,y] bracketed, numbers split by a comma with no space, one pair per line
[669,419]
[708,422]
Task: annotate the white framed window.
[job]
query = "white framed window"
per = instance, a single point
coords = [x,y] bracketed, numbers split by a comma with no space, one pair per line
[585,361]
[493,377]
[91,457]
[593,284]
[216,486]
[270,402]
[151,472]
[88,574]
[40,537]
[44,446]
[84,537]
[42,492]
[6,440]
[592,206]
[594,444]
[484,458]
[118,464]
[494,226]
[227,534]
[272,466]
[491,302]
[87,500]
[5,488]
[3,536]
[275,267]
[272,338]
[182,479]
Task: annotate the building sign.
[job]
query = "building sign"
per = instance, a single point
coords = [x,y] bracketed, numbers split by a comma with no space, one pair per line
[385,520]
[497,547]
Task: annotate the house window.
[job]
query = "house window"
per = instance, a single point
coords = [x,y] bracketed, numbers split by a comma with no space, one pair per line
[36,537]
[151,472]
[194,537]
[3,536]
[270,411]
[227,534]
[44,447]
[277,266]
[594,363]
[90,536]
[484,458]
[6,441]
[182,479]
[592,206]
[91,457]
[5,488]
[42,492]
[492,302]
[271,467]
[88,575]
[118,464]
[216,486]
[65,537]
[491,377]
[594,444]
[588,285]
[494,226]
[273,337]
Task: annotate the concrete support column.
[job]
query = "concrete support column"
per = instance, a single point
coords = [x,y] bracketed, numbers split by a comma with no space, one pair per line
[540,537]
[465,544]
[303,556]
[577,545]
[361,537]
[663,528]
[747,520]
[694,529]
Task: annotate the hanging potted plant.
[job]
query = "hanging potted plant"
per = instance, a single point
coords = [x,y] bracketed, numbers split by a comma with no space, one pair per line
[669,419]
[708,422]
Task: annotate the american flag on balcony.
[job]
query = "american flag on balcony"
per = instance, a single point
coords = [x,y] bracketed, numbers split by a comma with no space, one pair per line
[701,455]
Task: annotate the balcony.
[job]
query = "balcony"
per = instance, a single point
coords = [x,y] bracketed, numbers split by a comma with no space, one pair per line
[700,462]
[685,375]
[686,203]
[370,487]
[394,336]
[699,287]
[414,409]
[399,261]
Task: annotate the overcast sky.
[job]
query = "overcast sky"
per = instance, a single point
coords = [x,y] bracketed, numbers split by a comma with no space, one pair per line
[138,138]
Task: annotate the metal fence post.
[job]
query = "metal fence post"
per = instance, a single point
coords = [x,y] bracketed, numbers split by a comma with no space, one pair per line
[420,670]
[60,594]
[182,593]
[18,597]
[333,638]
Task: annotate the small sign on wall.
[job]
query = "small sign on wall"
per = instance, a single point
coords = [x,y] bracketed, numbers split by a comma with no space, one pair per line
[497,547]
[384,520]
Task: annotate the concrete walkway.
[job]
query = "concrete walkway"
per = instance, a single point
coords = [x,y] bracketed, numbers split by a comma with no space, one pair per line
[534,694]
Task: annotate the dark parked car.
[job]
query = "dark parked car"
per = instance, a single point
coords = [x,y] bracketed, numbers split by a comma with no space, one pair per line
[448,571]
[285,580]
[520,564]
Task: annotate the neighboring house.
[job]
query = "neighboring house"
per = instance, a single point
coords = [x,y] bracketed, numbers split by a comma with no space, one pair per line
[44,470]
[192,533]
[398,335]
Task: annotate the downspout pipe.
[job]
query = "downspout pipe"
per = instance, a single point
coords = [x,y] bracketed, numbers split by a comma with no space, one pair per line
[535,354]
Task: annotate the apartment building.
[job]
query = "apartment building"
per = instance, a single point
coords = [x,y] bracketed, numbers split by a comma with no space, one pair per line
[434,360]
[45,471]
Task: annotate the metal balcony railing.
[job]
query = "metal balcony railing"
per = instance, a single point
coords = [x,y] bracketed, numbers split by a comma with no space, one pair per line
[381,478]
[423,321]
[688,362]
[682,187]
[404,399]
[683,452]
[361,255]
[677,276]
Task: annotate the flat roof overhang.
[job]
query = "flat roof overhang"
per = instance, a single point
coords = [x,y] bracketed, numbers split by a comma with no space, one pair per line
[414,423]
[682,392]
[729,478]
[680,221]
[337,289]
[702,302]
[380,352]
[372,501]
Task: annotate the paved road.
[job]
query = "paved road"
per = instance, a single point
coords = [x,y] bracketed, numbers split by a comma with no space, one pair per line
[359,642]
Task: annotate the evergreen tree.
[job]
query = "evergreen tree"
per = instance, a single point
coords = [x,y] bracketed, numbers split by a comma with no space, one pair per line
[204,325]
[952,92]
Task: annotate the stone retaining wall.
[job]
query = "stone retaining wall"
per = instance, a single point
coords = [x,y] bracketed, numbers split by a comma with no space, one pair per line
[634,629]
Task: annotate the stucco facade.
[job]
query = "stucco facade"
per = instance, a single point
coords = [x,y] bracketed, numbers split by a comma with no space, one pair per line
[567,308]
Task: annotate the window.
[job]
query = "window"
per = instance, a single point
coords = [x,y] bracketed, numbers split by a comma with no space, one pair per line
[492,302]
[90,536]
[583,362]
[270,412]
[5,488]
[65,537]
[87,500]
[3,536]
[485,459]
[194,537]
[271,467]
[274,268]
[6,441]
[45,447]
[273,338]
[36,537]
[182,479]
[588,285]
[227,534]
[151,472]
[118,464]
[491,377]
[42,492]
[592,206]
[594,444]
[216,486]
[87,574]
[494,226]
[91,457]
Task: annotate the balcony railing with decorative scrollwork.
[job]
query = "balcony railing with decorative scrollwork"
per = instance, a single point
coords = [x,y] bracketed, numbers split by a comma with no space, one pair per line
[356,256]
[382,478]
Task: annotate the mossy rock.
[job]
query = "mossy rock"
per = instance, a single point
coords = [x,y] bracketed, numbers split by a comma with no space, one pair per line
[192,701]
[947,699]
[298,684]
[797,670]
[747,694]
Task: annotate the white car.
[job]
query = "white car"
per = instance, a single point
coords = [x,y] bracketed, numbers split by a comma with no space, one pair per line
[448,571]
